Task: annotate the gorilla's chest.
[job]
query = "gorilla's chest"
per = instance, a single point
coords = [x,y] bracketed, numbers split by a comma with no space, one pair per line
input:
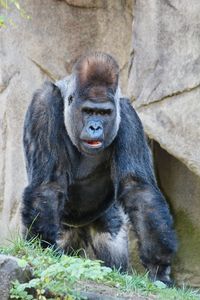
[89,197]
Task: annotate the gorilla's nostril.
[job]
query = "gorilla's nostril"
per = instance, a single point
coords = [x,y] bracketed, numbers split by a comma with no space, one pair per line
[92,128]
[95,128]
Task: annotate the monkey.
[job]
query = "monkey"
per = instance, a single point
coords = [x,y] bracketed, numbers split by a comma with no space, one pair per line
[90,172]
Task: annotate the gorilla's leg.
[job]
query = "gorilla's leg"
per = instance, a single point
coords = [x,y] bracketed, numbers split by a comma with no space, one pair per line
[110,239]
[105,239]
[40,212]
[74,240]
[149,214]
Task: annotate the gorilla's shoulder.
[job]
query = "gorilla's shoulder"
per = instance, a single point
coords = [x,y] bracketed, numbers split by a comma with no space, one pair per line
[129,117]
[48,95]
[46,105]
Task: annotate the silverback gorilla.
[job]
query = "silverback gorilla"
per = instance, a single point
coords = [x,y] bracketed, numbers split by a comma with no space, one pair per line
[89,170]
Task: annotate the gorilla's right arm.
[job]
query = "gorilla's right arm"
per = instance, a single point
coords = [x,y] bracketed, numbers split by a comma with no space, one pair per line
[47,164]
[45,135]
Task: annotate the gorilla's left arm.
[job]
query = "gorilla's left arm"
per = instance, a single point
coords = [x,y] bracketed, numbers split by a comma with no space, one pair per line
[141,197]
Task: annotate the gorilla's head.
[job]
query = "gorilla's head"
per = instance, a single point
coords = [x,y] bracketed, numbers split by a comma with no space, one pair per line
[92,110]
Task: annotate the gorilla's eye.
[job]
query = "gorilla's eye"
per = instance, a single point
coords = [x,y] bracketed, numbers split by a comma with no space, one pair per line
[70,99]
[102,112]
[105,112]
[88,111]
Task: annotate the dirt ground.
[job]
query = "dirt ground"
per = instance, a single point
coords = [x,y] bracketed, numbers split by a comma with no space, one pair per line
[95,291]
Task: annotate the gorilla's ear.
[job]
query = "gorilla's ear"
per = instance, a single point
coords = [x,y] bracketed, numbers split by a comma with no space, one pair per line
[97,69]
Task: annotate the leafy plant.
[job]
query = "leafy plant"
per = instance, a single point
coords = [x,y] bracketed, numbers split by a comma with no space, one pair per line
[54,274]
[60,277]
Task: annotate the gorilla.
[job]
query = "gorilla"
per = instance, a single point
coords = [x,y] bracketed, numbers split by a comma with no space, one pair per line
[90,172]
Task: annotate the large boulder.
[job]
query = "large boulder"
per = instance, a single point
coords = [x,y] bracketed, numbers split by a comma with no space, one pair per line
[40,48]
[164,81]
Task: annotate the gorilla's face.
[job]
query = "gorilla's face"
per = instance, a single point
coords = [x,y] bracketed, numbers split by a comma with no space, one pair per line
[92,119]
[91,96]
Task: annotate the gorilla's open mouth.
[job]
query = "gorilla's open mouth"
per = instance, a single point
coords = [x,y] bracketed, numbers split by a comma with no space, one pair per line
[93,143]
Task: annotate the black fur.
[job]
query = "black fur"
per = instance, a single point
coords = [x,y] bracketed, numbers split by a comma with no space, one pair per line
[74,200]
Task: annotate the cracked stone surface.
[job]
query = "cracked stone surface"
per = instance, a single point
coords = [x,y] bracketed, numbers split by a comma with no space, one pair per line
[175,124]
[165,49]
[164,81]
[42,48]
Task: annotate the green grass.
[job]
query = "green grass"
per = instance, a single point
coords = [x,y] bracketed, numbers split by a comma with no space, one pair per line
[61,276]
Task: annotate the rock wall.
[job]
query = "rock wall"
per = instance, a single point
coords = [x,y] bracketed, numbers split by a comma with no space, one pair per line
[164,84]
[164,80]
[45,47]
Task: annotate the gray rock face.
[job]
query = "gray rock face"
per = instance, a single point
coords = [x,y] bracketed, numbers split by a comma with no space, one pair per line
[175,124]
[166,42]
[42,48]
[164,78]
[11,271]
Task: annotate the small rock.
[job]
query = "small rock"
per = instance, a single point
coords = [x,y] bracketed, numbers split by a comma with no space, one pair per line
[11,269]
